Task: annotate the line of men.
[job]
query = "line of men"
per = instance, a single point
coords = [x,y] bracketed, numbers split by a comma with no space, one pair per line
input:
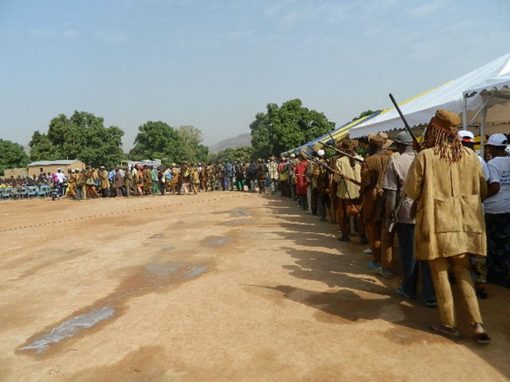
[447,207]
[185,178]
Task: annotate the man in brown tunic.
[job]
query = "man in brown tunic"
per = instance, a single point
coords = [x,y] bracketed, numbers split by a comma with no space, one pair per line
[448,186]
[348,179]
[372,174]
[105,184]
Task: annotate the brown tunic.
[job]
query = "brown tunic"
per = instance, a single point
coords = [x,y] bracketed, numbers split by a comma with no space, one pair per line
[449,217]
[372,175]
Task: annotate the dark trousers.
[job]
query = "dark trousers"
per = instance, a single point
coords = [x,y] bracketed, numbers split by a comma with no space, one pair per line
[314,200]
[409,285]
[322,204]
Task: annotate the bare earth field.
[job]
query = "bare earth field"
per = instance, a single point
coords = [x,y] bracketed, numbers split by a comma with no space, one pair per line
[214,287]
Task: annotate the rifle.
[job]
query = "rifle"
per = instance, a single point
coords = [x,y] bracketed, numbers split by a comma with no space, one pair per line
[396,209]
[330,169]
[408,128]
[341,152]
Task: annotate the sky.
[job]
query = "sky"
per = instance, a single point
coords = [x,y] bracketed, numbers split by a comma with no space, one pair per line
[215,64]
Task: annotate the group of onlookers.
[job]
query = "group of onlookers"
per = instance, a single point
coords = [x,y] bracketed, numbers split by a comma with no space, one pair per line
[140,180]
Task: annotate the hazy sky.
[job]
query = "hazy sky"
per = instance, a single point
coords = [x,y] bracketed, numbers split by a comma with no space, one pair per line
[215,64]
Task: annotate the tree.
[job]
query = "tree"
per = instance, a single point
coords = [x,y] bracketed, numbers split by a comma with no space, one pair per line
[157,140]
[366,113]
[12,155]
[286,127]
[191,141]
[41,147]
[82,136]
[243,154]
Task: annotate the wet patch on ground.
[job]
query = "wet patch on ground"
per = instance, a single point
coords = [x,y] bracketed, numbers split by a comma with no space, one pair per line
[216,241]
[236,222]
[167,248]
[240,213]
[157,236]
[70,328]
[149,278]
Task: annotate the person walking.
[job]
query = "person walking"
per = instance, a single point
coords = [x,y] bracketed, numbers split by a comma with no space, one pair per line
[447,184]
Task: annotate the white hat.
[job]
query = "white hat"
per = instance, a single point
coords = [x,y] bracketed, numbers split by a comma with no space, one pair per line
[498,140]
[466,136]
[292,155]
[321,152]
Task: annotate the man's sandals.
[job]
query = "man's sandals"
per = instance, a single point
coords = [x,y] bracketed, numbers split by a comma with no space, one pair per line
[479,333]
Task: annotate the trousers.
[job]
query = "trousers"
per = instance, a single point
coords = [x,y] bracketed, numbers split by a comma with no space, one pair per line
[460,267]
[411,266]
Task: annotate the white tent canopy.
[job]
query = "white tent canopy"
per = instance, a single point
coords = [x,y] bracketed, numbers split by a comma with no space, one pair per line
[481,93]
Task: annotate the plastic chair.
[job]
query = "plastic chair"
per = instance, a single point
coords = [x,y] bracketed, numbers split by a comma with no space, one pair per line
[32,191]
[15,193]
[44,190]
[7,193]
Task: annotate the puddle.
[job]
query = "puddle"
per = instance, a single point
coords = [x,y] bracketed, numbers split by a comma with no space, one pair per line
[239,212]
[216,241]
[167,248]
[162,270]
[149,278]
[69,328]
[157,236]
[196,271]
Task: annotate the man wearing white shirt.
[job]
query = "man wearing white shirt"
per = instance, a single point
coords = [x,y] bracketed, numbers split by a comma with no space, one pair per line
[478,263]
[497,211]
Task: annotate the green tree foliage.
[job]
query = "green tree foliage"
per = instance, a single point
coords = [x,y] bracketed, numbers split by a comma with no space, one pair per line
[243,154]
[366,113]
[191,141]
[41,147]
[12,155]
[82,136]
[158,140]
[286,127]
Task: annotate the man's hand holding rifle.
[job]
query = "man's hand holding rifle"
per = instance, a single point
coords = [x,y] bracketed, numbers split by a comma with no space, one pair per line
[332,170]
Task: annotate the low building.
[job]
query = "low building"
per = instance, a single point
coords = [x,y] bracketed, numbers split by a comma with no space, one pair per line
[46,166]
[15,172]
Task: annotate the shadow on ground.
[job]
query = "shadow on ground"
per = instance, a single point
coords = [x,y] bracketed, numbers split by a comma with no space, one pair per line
[341,265]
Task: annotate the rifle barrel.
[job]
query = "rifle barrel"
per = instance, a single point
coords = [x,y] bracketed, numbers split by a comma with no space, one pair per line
[341,152]
[315,160]
[408,128]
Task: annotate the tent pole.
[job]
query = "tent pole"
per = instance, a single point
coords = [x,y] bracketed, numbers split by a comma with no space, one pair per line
[483,125]
[464,114]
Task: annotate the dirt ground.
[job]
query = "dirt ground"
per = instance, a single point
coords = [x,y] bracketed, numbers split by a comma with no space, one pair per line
[220,286]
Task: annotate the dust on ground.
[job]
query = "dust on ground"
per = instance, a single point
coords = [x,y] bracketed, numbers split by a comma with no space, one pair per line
[217,286]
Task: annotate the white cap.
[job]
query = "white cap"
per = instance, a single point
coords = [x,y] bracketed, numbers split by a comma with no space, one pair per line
[498,140]
[292,155]
[320,152]
[466,136]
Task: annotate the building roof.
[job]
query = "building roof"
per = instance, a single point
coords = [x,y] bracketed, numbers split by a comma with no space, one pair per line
[63,162]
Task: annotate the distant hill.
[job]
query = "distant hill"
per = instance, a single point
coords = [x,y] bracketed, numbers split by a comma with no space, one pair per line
[241,140]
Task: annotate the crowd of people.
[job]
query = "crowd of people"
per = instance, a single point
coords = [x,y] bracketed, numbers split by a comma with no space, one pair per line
[448,207]
[143,180]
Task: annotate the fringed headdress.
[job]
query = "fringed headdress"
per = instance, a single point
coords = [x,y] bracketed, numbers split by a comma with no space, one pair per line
[442,136]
